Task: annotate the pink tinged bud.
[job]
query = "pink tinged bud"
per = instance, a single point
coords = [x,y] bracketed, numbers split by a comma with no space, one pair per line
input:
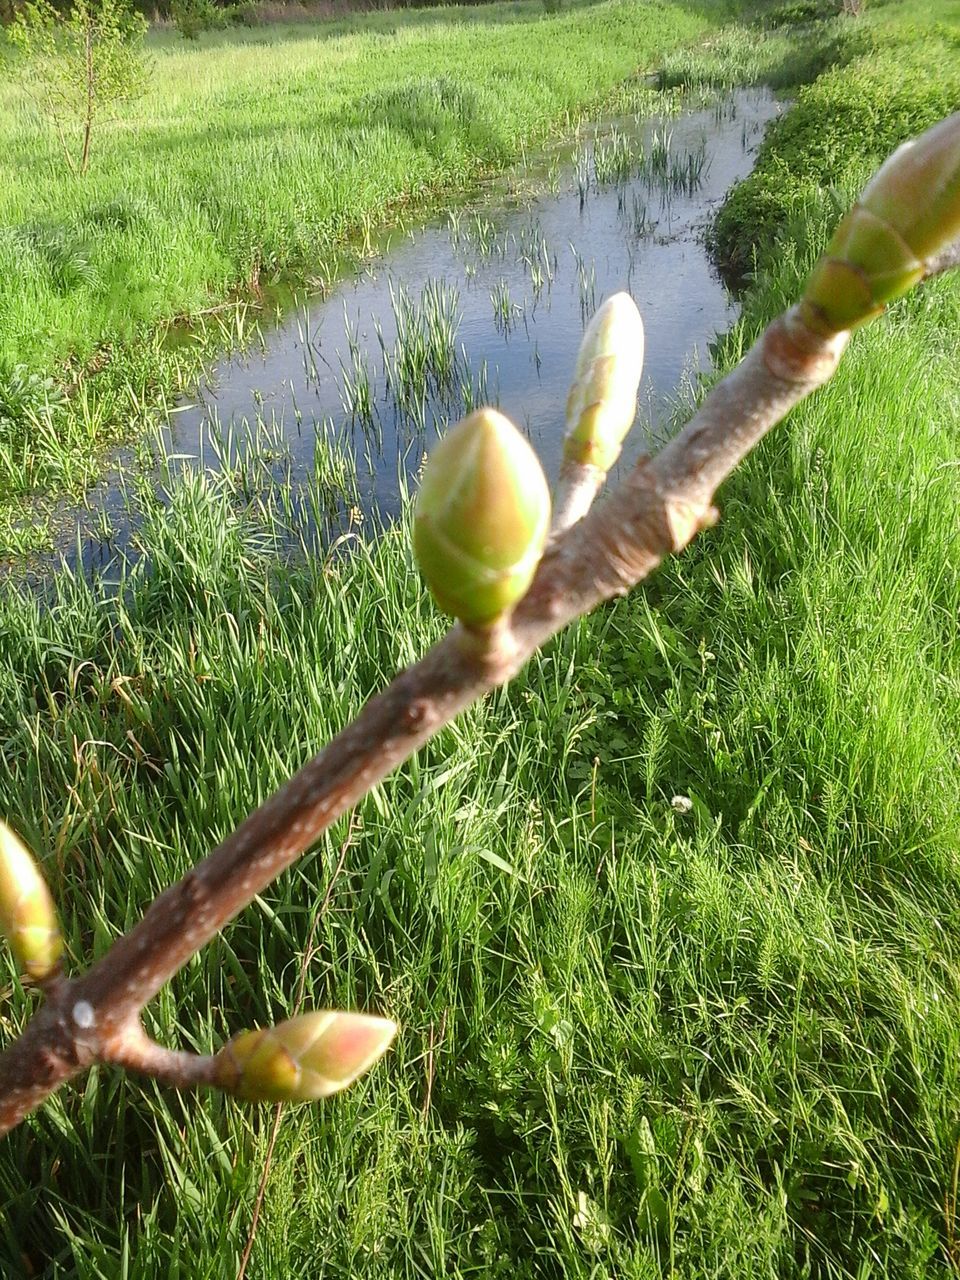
[602,403]
[305,1058]
[917,190]
[482,518]
[28,917]
[908,212]
[865,266]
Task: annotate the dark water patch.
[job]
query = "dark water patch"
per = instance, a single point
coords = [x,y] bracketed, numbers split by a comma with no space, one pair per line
[332,415]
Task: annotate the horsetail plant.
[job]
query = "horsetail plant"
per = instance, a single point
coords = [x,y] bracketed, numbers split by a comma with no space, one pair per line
[481,524]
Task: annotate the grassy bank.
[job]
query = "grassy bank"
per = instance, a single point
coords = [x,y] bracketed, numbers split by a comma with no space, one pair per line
[256,154]
[636,1042]
[881,92]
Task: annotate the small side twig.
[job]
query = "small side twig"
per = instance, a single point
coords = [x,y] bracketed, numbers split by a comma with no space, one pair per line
[134,1050]
[577,488]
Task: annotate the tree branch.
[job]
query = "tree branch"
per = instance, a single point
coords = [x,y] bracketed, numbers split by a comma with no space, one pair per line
[946,260]
[662,504]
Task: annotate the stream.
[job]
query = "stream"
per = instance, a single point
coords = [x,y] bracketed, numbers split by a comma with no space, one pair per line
[487,305]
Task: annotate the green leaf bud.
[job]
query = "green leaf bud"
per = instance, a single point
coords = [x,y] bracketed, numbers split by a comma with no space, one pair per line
[305,1058]
[602,403]
[916,192]
[908,212]
[28,917]
[482,518]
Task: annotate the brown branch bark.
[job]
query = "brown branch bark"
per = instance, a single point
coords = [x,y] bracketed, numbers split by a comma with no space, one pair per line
[132,1048]
[662,504]
[577,487]
[946,260]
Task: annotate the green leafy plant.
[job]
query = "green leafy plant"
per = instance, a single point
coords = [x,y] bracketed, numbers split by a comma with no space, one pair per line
[79,68]
[26,396]
[29,408]
[191,17]
[798,152]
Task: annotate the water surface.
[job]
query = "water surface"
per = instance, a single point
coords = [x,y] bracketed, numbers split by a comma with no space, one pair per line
[497,294]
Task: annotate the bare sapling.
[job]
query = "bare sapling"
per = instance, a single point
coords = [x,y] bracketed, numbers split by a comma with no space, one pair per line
[511,575]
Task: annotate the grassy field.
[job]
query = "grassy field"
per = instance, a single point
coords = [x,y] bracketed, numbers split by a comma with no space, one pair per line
[256,154]
[637,1042]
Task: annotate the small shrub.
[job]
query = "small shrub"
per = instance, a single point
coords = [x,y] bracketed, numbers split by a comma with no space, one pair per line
[191,17]
[249,14]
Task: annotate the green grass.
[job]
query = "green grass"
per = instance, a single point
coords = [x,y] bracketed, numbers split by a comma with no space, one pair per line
[637,1042]
[880,93]
[254,156]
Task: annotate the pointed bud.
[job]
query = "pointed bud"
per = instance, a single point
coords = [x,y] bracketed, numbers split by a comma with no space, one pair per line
[602,403]
[908,212]
[916,191]
[305,1058]
[482,517]
[28,917]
